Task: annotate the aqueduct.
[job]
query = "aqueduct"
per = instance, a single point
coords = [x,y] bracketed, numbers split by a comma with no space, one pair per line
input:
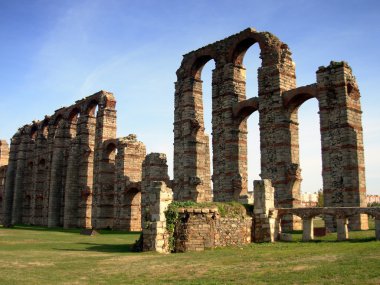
[71,170]
[277,102]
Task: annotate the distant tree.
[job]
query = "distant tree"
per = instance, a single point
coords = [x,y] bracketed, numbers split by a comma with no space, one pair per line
[320,198]
[373,204]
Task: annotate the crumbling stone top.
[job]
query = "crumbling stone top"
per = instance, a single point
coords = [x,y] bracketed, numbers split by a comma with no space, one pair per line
[333,65]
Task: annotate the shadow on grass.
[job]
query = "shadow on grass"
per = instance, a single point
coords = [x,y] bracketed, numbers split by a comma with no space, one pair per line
[103,248]
[62,230]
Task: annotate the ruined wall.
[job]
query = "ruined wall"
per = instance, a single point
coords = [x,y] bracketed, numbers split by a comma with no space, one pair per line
[57,166]
[277,74]
[117,203]
[4,157]
[200,229]
[155,199]
[4,153]
[342,140]
[277,102]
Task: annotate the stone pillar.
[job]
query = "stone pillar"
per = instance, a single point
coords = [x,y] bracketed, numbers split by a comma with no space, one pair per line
[264,224]
[192,179]
[230,178]
[86,134]
[10,181]
[155,235]
[72,190]
[307,229]
[377,228]
[57,175]
[342,228]
[279,157]
[342,141]
[39,152]
[4,152]
[19,180]
[129,159]
[4,157]
[154,168]
[104,169]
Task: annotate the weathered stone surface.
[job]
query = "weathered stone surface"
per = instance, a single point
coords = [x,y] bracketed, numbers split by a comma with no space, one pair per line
[277,102]
[200,230]
[265,228]
[157,197]
[64,170]
[70,169]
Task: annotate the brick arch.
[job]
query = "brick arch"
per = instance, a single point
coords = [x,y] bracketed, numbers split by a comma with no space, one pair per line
[245,108]
[229,132]
[71,113]
[199,63]
[90,107]
[270,46]
[294,98]
[33,130]
[44,127]
[193,62]
[239,51]
[109,148]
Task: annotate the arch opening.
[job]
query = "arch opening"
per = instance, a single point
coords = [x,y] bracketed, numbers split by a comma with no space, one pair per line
[92,108]
[133,209]
[309,139]
[110,153]
[73,120]
[241,49]
[33,132]
[204,74]
[247,53]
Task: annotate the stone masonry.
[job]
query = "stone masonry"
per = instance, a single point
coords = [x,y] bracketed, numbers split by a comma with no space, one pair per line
[70,170]
[277,102]
[156,197]
[264,224]
[204,228]
[4,157]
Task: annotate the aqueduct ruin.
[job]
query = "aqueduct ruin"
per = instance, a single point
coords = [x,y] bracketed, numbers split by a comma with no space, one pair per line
[70,170]
[277,102]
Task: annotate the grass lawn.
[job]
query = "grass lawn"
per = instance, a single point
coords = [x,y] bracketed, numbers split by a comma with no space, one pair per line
[36,255]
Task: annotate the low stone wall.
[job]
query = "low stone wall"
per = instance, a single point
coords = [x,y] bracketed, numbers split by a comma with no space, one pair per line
[199,229]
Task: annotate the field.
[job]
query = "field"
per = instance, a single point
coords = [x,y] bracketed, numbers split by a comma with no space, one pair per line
[36,255]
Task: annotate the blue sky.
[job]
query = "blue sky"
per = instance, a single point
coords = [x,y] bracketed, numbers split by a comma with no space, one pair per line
[55,52]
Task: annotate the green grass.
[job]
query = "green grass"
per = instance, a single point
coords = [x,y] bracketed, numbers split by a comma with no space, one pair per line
[36,255]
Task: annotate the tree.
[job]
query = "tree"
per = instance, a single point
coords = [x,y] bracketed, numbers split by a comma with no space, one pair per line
[320,198]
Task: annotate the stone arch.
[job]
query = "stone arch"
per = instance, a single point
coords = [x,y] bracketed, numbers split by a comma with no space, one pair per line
[104,193]
[44,128]
[132,209]
[244,109]
[33,131]
[241,47]
[294,98]
[73,120]
[229,135]
[194,179]
[199,63]
[90,108]
[249,161]
[110,151]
